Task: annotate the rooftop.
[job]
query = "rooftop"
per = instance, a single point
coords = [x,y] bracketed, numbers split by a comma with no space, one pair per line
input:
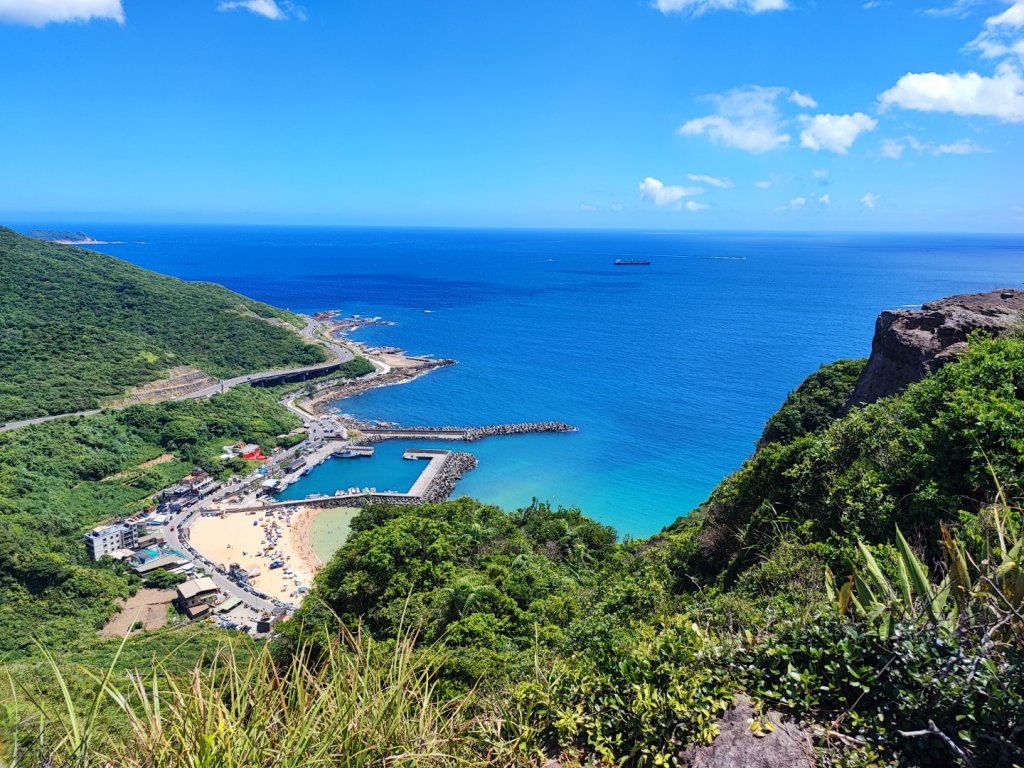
[196,587]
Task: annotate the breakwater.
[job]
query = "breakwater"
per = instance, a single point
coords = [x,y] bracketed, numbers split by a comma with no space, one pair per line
[374,434]
[441,485]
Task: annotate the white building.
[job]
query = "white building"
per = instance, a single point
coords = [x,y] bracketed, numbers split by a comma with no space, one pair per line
[108,539]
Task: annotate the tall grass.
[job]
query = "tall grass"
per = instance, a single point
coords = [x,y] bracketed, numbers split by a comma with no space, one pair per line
[361,703]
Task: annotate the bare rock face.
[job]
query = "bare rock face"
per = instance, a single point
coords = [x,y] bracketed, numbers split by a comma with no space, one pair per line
[910,344]
[739,746]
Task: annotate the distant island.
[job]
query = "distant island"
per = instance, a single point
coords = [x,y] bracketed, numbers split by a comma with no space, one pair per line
[65,237]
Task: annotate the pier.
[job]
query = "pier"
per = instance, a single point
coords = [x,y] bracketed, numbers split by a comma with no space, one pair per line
[435,459]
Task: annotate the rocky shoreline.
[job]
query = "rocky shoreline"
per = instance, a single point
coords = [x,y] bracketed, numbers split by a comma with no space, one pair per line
[319,402]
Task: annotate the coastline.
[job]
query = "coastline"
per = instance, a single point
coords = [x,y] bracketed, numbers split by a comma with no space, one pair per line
[303,539]
[417,367]
[254,541]
[257,532]
[393,365]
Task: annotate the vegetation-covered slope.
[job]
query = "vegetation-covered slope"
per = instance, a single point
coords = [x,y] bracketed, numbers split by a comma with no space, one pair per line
[816,403]
[915,460]
[61,478]
[77,327]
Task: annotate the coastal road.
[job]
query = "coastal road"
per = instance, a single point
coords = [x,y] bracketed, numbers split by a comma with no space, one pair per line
[339,354]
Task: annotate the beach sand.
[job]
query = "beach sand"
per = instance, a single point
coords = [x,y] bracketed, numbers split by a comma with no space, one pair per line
[243,538]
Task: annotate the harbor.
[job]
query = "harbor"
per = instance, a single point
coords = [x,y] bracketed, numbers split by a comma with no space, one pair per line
[258,532]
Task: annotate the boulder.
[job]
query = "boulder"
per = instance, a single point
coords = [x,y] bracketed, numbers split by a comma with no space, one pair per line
[910,344]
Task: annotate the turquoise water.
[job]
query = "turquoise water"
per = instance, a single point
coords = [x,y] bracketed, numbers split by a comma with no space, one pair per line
[386,470]
[669,371]
[329,530]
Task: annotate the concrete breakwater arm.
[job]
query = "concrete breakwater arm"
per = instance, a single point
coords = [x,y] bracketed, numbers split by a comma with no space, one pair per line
[442,484]
[468,434]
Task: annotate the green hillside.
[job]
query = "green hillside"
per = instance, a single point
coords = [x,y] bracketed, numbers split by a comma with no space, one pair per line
[61,478]
[78,327]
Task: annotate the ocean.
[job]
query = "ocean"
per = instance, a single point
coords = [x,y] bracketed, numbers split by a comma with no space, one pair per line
[669,370]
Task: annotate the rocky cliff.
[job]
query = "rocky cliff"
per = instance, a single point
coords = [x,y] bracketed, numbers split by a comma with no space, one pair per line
[910,344]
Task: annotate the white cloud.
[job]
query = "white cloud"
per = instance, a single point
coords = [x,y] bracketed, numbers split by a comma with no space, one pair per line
[275,10]
[958,8]
[795,204]
[802,100]
[958,147]
[825,199]
[869,200]
[835,133]
[1003,34]
[820,173]
[694,206]
[38,13]
[746,118]
[661,194]
[711,181]
[1000,96]
[766,184]
[893,149]
[587,207]
[1012,17]
[699,7]
[617,207]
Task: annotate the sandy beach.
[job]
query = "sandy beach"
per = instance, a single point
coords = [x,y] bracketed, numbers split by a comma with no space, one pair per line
[255,541]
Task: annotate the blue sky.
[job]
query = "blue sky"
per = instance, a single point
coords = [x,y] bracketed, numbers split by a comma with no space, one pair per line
[688,114]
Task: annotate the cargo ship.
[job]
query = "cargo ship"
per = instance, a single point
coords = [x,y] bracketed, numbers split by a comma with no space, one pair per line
[632,262]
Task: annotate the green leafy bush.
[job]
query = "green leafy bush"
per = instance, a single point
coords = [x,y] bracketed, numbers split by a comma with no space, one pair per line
[816,403]
[874,689]
[639,703]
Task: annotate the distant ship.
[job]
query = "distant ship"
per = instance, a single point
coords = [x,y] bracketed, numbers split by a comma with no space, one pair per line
[632,262]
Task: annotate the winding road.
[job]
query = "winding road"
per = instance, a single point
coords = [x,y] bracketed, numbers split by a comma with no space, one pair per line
[340,354]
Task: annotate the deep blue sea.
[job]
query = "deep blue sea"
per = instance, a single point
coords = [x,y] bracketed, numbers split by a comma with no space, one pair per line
[669,371]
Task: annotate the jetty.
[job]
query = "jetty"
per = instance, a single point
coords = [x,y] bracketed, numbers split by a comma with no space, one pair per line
[465,434]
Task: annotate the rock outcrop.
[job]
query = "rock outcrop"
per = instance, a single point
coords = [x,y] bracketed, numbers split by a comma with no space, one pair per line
[739,745]
[910,344]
